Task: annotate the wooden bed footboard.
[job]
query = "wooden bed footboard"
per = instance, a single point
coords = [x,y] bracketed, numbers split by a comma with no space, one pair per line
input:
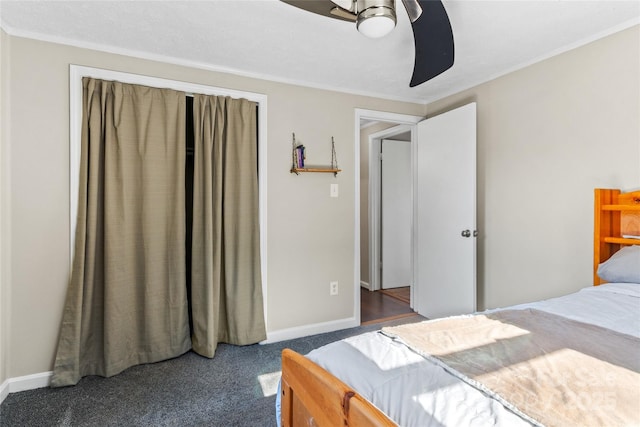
[311,396]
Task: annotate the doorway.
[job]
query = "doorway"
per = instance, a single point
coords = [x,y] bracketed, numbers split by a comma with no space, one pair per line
[443,168]
[372,127]
[396,205]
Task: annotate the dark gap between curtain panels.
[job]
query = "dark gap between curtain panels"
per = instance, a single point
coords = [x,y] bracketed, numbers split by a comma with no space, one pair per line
[189,164]
[188,199]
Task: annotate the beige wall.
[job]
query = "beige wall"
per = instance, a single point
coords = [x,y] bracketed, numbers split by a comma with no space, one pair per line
[310,236]
[4,229]
[547,135]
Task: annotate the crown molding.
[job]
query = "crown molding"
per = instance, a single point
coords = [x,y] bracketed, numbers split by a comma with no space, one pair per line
[15,32]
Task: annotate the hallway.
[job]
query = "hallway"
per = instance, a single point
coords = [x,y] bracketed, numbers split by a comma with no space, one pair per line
[384,305]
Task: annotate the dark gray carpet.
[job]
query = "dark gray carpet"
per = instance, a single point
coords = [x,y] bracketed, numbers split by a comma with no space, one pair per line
[187,391]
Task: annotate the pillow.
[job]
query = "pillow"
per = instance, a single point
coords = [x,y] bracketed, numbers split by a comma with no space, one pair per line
[622,267]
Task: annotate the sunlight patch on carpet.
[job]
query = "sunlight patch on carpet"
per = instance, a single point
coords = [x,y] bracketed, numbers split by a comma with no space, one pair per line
[269,383]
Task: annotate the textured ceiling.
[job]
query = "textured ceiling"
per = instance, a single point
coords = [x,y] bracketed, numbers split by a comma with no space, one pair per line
[272,40]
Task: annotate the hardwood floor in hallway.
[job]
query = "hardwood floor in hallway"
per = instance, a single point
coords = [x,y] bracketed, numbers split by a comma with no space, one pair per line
[380,306]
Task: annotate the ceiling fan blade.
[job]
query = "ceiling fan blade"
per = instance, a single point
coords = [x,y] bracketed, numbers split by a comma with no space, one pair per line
[345,4]
[324,8]
[434,42]
[413,9]
[343,13]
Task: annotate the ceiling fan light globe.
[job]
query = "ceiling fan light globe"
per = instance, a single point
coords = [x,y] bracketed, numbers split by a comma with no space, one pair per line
[377,21]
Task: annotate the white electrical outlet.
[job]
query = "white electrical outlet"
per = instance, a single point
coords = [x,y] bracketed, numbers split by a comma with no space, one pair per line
[333,288]
[334,190]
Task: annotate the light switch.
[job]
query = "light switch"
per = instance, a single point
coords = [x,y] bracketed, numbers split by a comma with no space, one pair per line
[334,190]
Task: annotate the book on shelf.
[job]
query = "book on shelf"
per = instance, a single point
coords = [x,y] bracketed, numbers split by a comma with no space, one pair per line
[300,156]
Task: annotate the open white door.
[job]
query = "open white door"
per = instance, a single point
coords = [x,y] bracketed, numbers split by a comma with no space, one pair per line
[396,214]
[445,247]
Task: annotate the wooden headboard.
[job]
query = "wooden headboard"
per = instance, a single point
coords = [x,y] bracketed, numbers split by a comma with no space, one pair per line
[616,215]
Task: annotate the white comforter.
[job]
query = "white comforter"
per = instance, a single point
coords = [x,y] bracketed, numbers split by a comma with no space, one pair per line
[415,392]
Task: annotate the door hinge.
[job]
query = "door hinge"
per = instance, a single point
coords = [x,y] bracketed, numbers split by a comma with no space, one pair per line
[380,156]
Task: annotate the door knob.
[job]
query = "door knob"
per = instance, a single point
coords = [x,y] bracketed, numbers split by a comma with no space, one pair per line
[466,233]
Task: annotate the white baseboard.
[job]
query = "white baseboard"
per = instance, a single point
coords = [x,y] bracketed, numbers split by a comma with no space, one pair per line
[305,331]
[26,382]
[4,391]
[365,285]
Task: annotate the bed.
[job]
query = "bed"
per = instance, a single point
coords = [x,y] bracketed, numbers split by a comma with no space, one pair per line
[572,360]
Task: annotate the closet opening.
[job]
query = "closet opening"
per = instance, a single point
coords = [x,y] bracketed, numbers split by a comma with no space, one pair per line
[77,73]
[188,199]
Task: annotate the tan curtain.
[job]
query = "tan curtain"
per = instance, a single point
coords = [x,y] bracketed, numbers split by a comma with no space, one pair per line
[226,289]
[126,303]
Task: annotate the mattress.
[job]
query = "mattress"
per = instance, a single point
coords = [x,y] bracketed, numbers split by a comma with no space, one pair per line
[414,391]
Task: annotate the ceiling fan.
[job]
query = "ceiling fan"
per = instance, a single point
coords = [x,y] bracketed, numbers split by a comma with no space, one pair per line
[432,34]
